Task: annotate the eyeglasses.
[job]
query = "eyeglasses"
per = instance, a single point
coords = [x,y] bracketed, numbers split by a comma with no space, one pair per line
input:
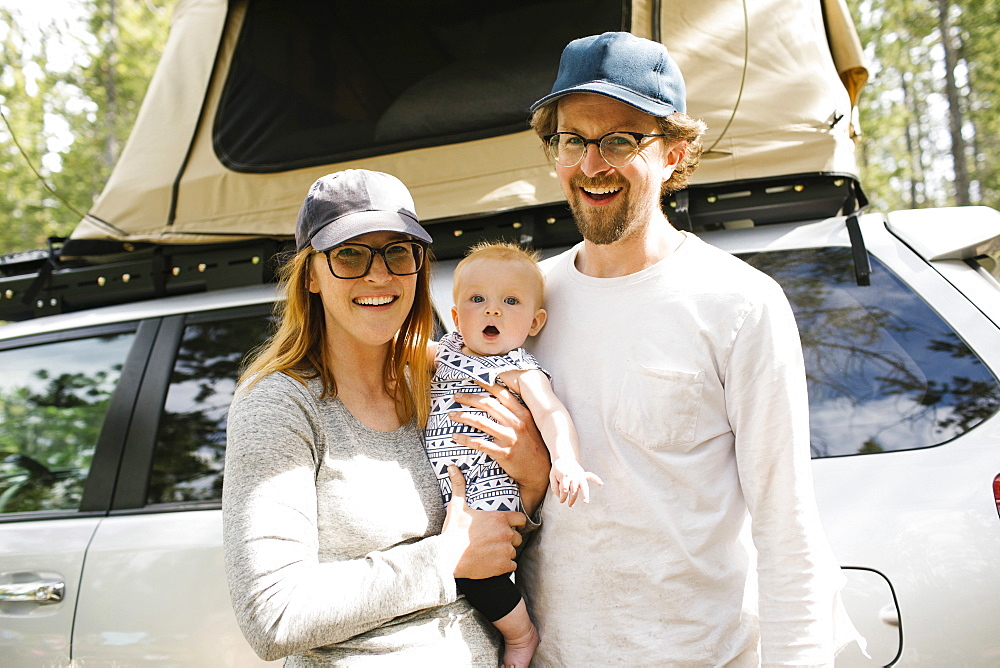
[617,148]
[354,260]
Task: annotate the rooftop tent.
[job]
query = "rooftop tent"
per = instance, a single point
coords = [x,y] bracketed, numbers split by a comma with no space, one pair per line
[255,99]
[776,82]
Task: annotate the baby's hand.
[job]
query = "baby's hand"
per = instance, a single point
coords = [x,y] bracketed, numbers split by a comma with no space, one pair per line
[568,480]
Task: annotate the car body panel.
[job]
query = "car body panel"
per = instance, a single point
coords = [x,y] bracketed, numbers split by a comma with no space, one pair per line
[873,608]
[948,233]
[154,590]
[40,551]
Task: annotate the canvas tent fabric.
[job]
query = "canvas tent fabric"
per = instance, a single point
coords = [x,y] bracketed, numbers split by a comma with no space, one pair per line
[776,81]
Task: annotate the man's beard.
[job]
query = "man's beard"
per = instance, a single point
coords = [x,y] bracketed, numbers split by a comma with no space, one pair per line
[606,225]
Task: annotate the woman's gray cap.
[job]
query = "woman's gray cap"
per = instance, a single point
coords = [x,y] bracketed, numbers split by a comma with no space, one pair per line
[343,205]
[630,69]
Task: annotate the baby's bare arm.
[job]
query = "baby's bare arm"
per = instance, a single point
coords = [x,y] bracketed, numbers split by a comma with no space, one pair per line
[551,416]
[567,477]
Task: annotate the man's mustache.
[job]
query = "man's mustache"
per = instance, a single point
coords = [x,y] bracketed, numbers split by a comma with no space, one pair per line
[580,181]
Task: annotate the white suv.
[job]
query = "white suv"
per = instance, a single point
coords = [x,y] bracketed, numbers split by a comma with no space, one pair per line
[115,384]
[112,440]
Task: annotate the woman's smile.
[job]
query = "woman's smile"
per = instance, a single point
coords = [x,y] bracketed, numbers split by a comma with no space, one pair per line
[378,300]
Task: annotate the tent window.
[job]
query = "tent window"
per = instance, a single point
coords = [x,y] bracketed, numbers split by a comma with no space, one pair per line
[320,82]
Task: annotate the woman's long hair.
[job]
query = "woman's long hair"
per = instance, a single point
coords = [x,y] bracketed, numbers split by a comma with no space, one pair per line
[297,349]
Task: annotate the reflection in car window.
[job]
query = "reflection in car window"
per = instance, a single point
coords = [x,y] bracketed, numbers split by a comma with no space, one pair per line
[885,372]
[53,399]
[191,443]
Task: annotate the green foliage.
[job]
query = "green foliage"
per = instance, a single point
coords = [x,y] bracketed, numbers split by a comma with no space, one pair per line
[71,120]
[47,440]
[22,201]
[53,400]
[980,29]
[191,440]
[906,152]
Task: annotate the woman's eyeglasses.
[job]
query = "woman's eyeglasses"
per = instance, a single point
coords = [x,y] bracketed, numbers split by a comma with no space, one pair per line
[354,260]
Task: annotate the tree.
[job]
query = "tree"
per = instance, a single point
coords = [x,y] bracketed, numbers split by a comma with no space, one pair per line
[955,114]
[94,105]
[929,114]
[23,200]
[979,28]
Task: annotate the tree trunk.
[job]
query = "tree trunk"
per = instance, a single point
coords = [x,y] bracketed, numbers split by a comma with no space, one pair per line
[912,146]
[958,151]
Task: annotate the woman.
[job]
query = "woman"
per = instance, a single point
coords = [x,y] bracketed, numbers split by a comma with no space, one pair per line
[338,550]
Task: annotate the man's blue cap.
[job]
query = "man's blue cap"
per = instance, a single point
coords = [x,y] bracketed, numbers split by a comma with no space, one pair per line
[630,69]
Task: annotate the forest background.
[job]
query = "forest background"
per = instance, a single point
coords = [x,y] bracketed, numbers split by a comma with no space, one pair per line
[71,86]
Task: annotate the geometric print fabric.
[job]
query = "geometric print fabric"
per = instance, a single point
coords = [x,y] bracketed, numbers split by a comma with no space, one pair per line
[487,486]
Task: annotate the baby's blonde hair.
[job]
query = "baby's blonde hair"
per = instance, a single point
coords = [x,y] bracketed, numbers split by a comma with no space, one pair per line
[501,250]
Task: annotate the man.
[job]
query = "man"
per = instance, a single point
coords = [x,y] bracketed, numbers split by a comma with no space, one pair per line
[682,368]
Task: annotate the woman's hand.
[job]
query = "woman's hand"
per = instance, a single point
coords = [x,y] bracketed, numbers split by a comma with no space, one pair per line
[517,446]
[485,539]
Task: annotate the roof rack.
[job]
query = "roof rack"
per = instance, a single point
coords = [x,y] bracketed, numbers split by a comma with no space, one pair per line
[38,283]
[79,274]
[781,199]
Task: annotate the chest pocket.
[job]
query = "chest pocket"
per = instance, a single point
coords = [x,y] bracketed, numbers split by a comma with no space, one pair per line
[658,408]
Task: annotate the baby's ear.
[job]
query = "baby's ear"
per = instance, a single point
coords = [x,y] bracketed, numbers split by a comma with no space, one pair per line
[538,322]
[454,318]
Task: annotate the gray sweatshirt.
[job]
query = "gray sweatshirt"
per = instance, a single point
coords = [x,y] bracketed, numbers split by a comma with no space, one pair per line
[331,538]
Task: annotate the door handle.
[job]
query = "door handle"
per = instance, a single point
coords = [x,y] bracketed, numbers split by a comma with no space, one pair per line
[34,592]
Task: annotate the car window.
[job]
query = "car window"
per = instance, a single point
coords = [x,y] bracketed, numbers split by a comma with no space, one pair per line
[885,372]
[53,401]
[191,440]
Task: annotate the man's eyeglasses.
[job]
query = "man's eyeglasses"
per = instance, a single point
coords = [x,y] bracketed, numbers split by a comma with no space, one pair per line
[617,148]
[354,260]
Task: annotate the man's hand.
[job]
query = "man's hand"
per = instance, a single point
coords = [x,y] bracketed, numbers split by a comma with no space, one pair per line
[516,446]
[485,539]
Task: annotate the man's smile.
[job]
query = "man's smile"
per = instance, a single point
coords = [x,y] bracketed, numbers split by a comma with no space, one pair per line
[598,191]
[601,193]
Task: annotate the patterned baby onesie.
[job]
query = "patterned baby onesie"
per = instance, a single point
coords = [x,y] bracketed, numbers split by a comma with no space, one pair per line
[487,486]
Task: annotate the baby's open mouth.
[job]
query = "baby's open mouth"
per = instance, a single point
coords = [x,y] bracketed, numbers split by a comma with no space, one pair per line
[490,330]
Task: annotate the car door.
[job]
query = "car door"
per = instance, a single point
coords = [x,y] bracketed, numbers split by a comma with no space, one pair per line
[64,399]
[154,587]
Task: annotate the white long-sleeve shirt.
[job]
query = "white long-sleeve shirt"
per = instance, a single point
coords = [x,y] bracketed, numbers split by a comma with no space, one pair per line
[687,386]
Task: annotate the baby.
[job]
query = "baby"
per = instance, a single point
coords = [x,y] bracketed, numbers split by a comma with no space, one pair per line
[498,290]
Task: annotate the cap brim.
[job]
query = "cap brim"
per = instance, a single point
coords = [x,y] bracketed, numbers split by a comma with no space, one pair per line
[640,102]
[353,225]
